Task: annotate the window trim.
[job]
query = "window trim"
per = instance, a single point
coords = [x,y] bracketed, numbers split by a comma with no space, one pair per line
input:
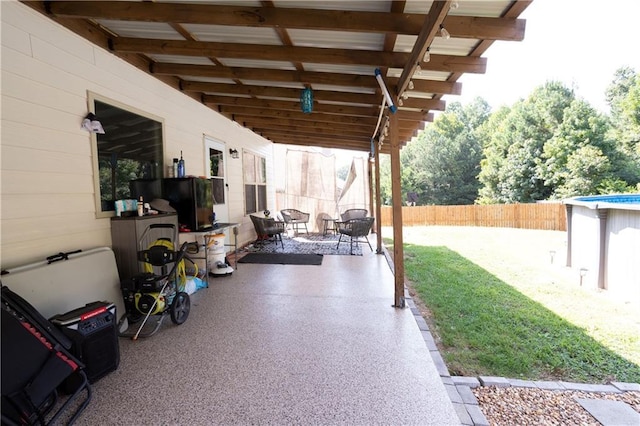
[92,97]
[256,184]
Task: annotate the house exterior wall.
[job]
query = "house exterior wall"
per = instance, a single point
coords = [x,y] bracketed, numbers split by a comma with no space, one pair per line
[47,189]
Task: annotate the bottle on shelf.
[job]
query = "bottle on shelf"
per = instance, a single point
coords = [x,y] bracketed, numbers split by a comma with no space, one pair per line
[181,170]
[175,168]
[141,206]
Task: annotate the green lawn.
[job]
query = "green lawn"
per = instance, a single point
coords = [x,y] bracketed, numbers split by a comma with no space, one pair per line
[499,306]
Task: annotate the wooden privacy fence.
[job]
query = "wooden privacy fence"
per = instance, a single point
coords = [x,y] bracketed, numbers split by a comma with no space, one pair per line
[548,216]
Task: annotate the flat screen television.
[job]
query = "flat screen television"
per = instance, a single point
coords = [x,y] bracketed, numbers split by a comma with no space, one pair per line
[193,200]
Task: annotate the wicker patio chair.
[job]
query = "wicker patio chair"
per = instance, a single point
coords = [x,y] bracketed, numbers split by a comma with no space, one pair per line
[356,229]
[353,214]
[295,218]
[268,229]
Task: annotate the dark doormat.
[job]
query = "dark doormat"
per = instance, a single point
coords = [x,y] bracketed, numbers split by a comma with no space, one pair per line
[282,258]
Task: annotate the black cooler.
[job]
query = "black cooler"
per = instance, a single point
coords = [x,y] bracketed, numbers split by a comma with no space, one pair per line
[93,330]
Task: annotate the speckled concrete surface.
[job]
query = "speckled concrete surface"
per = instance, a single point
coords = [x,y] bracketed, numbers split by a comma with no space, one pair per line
[281,345]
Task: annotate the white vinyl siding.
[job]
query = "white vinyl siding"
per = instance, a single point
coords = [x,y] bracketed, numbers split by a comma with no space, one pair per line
[46,165]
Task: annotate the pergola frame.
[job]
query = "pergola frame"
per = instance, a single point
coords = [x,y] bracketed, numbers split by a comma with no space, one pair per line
[250,63]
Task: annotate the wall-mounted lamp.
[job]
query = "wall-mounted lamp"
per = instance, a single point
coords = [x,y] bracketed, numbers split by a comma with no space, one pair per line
[91,124]
[234,153]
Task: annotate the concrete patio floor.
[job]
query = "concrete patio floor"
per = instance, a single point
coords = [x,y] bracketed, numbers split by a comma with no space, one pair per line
[281,345]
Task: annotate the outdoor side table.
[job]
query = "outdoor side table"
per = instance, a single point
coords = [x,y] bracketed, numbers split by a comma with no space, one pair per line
[329,225]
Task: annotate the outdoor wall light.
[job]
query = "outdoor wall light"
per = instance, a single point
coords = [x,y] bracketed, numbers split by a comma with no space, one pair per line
[583,273]
[552,253]
[91,124]
[234,153]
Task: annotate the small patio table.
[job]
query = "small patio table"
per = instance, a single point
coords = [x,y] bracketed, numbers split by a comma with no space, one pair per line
[329,225]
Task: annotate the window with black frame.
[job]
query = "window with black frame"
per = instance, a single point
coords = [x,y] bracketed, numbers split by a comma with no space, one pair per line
[255,182]
[216,161]
[129,152]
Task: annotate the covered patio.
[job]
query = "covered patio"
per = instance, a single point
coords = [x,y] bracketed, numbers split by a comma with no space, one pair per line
[362,76]
[282,349]
[270,344]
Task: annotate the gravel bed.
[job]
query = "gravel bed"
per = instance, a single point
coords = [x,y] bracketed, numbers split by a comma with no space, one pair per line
[533,406]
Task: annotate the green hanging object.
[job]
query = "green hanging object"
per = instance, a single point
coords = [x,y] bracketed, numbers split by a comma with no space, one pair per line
[306,100]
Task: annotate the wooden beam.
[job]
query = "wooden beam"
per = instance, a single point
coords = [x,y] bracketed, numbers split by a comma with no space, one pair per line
[299,18]
[319,142]
[247,119]
[318,117]
[362,111]
[437,13]
[485,28]
[259,52]
[440,63]
[425,104]
[279,92]
[314,130]
[454,63]
[363,99]
[358,140]
[346,136]
[261,74]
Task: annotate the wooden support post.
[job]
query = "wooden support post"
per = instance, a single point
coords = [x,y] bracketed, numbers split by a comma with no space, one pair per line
[378,200]
[371,194]
[396,195]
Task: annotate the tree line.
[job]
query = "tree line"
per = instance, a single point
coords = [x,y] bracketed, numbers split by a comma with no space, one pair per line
[549,146]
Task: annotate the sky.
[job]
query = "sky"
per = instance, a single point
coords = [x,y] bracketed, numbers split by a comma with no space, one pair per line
[580,43]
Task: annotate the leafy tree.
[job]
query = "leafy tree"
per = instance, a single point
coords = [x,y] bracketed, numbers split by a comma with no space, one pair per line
[586,169]
[560,166]
[495,147]
[442,164]
[385,179]
[513,154]
[549,145]
[117,173]
[623,96]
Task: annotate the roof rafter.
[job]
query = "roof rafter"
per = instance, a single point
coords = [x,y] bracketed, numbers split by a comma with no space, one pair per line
[256,78]
[318,19]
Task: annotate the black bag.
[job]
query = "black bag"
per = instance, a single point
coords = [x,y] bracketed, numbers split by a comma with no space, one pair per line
[35,362]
